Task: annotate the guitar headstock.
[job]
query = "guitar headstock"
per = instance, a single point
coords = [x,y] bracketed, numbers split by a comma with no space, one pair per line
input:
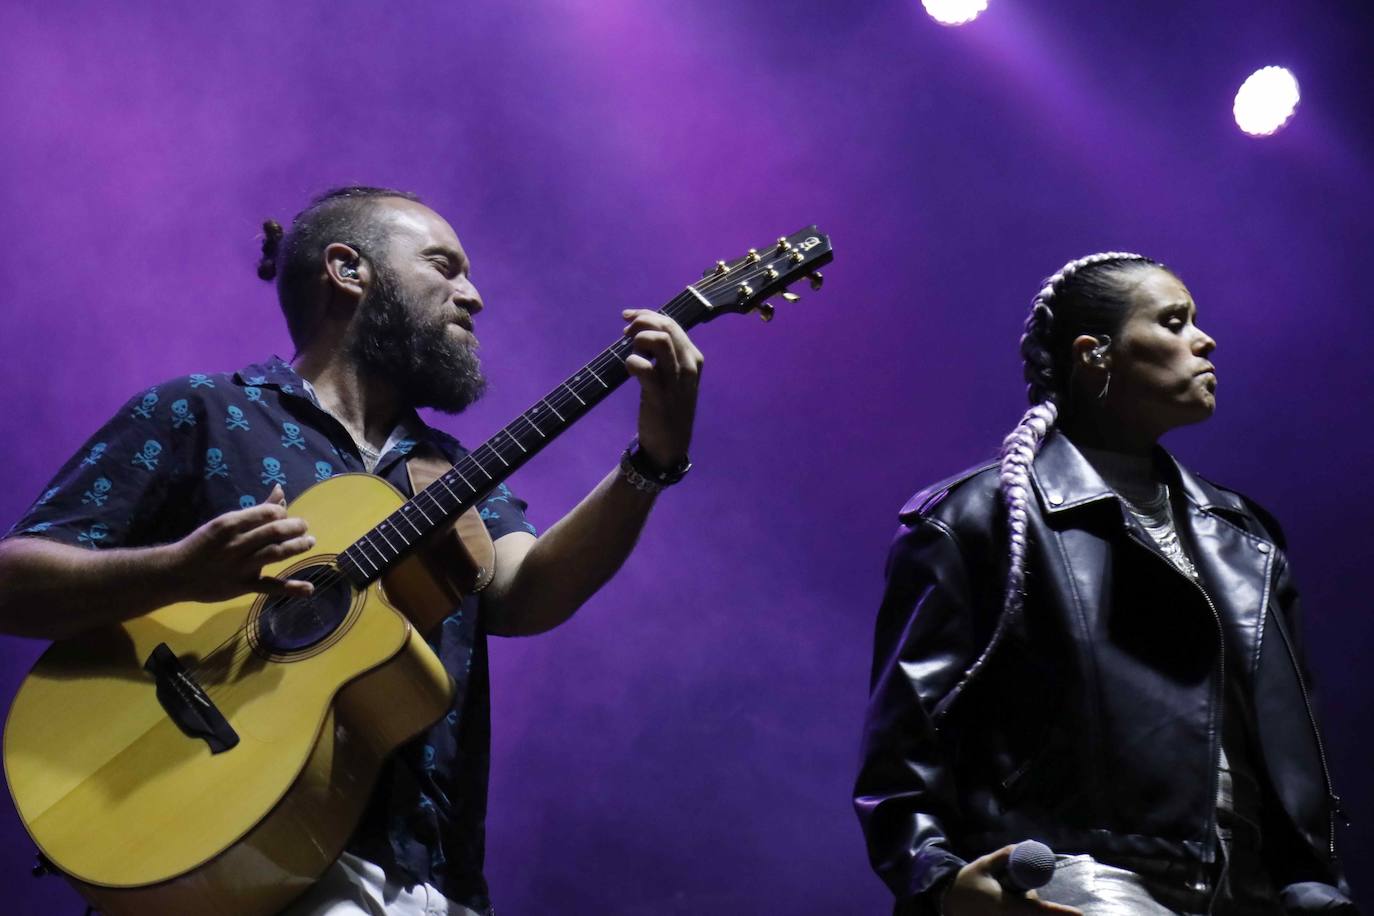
[746,284]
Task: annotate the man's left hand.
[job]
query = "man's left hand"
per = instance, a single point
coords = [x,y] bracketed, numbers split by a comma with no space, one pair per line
[668,366]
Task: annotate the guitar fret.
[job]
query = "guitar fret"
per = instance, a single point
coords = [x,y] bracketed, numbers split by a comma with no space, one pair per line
[411,522]
[536,428]
[379,530]
[597,377]
[421,510]
[575,394]
[364,541]
[511,437]
[353,573]
[498,455]
[466,481]
[434,502]
[555,412]
[445,485]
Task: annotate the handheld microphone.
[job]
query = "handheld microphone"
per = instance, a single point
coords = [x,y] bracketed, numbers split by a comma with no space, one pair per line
[1031,865]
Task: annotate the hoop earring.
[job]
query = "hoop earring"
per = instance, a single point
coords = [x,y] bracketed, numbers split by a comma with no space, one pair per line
[1105,385]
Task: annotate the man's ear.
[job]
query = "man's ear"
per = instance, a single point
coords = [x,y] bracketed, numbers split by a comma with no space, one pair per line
[346,270]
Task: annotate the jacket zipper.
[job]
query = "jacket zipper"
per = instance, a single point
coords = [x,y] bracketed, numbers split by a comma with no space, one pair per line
[1333,800]
[1221,678]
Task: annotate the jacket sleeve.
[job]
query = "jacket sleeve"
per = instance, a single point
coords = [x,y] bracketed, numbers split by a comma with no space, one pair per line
[1299,893]
[1306,896]
[924,643]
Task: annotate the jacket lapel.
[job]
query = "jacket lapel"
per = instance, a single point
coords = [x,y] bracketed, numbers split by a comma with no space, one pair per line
[1235,564]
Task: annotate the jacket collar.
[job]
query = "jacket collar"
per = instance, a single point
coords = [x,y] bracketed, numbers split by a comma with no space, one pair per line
[1063,477]
[1065,480]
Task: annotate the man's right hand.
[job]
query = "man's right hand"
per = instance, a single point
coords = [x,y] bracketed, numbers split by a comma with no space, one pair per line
[977,892]
[224,557]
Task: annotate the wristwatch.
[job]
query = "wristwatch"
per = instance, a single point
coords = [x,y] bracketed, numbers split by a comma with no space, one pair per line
[640,471]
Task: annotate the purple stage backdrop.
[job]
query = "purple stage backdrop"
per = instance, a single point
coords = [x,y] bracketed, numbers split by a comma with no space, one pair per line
[687,743]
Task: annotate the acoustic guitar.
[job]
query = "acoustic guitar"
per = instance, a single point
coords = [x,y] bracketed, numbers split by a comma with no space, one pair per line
[213,758]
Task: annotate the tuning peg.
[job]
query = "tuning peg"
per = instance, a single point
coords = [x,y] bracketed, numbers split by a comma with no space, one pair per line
[783,244]
[719,269]
[766,311]
[816,279]
[789,297]
[745,291]
[753,255]
[796,257]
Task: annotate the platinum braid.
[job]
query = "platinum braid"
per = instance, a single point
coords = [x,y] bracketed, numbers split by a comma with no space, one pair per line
[1023,443]
[1018,454]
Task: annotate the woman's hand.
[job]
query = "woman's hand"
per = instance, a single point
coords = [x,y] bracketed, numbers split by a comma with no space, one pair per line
[977,892]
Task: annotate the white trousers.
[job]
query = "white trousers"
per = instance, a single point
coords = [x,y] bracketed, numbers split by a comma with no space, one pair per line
[356,887]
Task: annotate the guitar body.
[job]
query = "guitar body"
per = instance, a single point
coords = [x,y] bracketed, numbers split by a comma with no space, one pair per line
[144,818]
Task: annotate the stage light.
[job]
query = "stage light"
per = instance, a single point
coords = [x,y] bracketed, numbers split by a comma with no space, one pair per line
[954,12]
[1265,101]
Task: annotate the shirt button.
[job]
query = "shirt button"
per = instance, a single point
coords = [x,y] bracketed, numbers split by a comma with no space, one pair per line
[1056,499]
[1262,547]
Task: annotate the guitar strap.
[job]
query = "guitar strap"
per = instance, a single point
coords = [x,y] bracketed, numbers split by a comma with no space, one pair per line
[461,554]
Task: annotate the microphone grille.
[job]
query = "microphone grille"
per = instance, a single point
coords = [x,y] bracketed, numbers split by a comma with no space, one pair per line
[1031,864]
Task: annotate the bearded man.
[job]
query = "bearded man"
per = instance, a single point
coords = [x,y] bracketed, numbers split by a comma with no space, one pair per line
[181,497]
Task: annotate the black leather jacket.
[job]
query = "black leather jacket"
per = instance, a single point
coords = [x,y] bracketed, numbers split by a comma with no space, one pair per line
[1091,720]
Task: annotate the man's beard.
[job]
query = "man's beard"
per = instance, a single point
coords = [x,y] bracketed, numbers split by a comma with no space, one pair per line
[429,366]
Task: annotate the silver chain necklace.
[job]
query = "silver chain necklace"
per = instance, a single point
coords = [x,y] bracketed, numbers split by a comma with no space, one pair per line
[1157,518]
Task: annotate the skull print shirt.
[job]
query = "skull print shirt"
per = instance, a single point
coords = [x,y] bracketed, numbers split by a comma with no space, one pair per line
[184,451]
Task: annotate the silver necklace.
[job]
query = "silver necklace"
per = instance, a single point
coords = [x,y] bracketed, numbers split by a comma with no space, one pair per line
[1157,518]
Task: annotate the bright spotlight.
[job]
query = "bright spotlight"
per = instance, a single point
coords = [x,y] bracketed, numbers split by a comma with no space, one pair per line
[954,12]
[1266,100]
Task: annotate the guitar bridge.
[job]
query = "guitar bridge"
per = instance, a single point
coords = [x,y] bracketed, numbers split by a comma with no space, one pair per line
[186,703]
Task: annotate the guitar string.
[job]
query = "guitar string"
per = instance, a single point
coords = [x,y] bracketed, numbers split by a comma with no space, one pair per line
[326,576]
[329,575]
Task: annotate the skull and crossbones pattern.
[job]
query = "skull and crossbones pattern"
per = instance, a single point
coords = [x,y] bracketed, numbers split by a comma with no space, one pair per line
[291,436]
[93,535]
[235,418]
[323,470]
[181,414]
[271,472]
[201,380]
[144,408]
[254,393]
[96,453]
[147,459]
[214,464]
[98,492]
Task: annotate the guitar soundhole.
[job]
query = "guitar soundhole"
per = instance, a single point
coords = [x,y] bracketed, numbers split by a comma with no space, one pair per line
[288,626]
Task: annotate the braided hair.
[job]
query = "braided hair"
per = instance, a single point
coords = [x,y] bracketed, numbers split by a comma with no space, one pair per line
[1086,296]
[295,257]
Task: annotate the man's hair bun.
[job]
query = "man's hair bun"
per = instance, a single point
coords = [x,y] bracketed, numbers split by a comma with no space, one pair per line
[271,240]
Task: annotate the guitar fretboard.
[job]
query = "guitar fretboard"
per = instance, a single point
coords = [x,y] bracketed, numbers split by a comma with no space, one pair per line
[485,467]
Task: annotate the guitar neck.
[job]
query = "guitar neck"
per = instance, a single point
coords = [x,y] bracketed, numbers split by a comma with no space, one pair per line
[485,467]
